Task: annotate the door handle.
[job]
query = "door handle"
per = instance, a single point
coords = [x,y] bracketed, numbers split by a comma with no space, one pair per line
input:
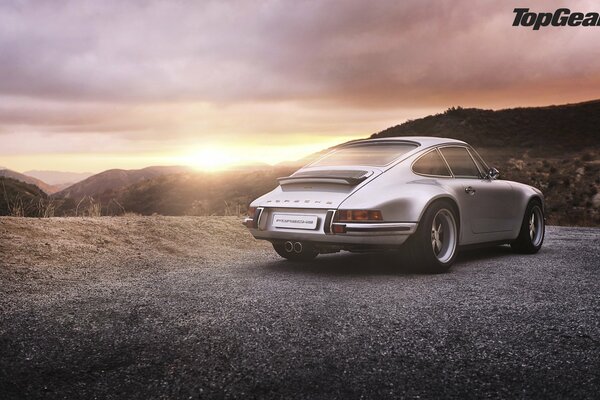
[470,190]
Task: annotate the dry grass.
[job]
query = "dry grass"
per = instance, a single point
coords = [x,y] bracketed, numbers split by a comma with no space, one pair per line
[14,205]
[88,207]
[108,240]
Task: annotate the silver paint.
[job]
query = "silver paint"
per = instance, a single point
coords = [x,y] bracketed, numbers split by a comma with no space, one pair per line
[488,209]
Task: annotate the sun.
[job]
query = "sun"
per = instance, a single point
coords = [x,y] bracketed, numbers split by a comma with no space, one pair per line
[210,159]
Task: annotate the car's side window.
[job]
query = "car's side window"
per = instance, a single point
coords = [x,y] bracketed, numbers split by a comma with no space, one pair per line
[431,164]
[460,162]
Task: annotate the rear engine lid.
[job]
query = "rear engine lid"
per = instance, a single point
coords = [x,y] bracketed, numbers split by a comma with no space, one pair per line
[324,188]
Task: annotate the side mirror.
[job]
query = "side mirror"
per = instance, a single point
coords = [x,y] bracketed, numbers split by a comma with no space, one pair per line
[493,173]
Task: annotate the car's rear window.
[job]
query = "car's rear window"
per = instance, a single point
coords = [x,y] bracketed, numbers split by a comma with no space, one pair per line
[370,154]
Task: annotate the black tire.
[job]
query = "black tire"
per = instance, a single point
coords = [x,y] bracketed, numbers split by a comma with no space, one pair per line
[430,252]
[533,230]
[308,252]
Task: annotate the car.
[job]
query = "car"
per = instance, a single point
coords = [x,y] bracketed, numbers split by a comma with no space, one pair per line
[429,196]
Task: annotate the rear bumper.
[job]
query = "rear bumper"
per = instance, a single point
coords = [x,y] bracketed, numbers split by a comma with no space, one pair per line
[384,234]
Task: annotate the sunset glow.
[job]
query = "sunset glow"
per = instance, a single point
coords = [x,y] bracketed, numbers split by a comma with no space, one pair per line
[217,88]
[210,159]
[218,158]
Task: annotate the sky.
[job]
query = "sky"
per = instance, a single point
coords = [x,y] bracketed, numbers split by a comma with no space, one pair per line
[93,85]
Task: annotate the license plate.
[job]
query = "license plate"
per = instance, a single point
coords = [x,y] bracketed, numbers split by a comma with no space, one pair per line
[295,221]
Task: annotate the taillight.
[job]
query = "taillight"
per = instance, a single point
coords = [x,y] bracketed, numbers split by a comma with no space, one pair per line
[338,228]
[251,211]
[358,216]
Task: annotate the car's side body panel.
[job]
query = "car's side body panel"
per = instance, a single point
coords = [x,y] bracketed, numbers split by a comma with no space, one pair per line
[487,208]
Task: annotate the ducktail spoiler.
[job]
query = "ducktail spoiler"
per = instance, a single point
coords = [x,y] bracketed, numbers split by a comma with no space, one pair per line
[342,177]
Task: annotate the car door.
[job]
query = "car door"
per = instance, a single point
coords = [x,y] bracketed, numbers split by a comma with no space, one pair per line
[487,204]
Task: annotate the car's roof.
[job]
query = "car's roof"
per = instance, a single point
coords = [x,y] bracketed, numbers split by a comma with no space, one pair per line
[424,141]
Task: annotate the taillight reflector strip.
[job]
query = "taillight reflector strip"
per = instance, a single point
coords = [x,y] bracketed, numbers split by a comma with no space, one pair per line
[358,216]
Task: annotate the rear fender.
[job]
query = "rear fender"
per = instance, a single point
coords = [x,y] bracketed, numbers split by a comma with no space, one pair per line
[398,201]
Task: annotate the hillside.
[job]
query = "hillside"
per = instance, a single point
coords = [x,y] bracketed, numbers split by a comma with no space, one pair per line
[104,185]
[225,193]
[21,199]
[548,129]
[179,193]
[48,189]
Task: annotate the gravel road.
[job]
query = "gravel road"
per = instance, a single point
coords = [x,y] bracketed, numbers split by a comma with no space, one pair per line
[189,307]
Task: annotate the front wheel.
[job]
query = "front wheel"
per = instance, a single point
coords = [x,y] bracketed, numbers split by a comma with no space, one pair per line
[433,246]
[533,228]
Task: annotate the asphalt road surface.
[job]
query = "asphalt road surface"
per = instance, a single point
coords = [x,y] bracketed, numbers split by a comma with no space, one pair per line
[498,325]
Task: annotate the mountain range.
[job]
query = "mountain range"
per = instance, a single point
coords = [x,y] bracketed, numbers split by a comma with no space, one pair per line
[555,148]
[104,184]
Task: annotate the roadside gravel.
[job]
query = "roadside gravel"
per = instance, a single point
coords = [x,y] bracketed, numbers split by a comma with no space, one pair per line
[194,307]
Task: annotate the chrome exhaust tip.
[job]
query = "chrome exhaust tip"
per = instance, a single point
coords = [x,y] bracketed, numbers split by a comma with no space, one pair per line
[289,246]
[298,247]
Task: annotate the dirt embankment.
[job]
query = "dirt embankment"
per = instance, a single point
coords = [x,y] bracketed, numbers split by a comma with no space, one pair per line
[109,240]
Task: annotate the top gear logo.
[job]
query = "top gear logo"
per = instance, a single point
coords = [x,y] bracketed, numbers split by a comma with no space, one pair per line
[560,17]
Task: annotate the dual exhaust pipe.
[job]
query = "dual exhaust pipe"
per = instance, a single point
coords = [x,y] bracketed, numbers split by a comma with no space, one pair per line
[293,247]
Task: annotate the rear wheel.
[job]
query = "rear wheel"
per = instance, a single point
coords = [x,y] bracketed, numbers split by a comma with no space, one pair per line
[433,246]
[295,251]
[533,228]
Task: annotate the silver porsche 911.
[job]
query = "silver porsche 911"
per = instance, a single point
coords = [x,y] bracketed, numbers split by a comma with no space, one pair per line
[429,195]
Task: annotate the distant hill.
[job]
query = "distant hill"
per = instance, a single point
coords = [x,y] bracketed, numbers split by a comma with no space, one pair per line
[63,186]
[564,127]
[104,185]
[252,166]
[21,199]
[49,189]
[197,193]
[59,178]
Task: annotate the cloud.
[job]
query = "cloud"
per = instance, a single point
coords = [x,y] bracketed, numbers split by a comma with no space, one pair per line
[353,51]
[163,71]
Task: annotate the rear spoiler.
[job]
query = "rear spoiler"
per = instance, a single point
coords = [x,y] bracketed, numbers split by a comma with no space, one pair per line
[341,177]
